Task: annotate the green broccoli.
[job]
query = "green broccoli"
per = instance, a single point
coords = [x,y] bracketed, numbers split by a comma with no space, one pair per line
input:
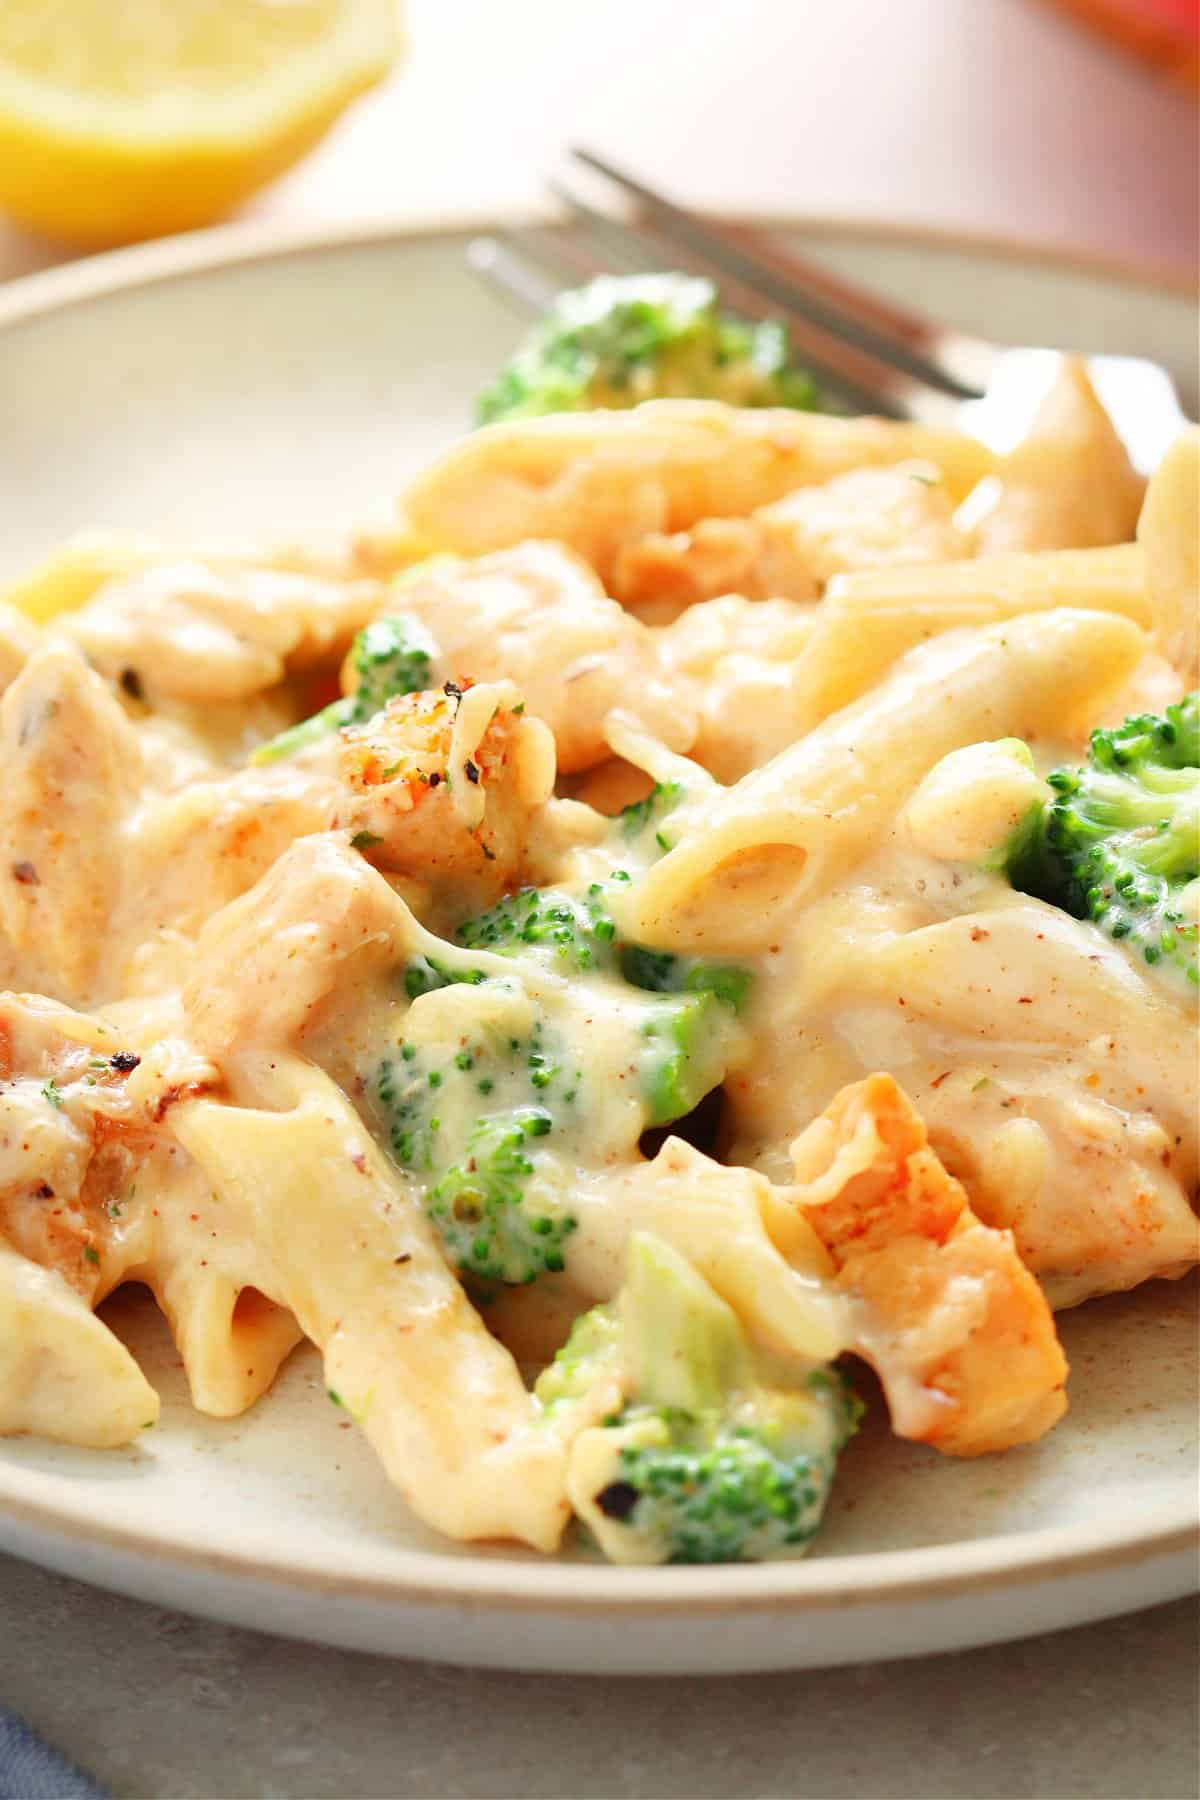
[663,972]
[482,1209]
[719,1454]
[651,814]
[490,1056]
[688,1038]
[389,657]
[577,934]
[463,1114]
[1118,841]
[624,339]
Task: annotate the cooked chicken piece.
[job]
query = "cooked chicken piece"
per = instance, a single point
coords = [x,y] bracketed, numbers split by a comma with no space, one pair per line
[440,788]
[94,1191]
[945,1311]
[1056,1077]
[72,772]
[1169,532]
[18,641]
[865,519]
[1095,1196]
[1067,485]
[745,657]
[79,1111]
[192,851]
[193,631]
[537,615]
[600,481]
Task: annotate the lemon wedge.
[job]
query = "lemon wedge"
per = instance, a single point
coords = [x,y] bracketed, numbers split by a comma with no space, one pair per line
[125,119]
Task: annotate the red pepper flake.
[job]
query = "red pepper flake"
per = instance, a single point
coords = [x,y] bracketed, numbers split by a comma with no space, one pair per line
[978,933]
[1025,1000]
[940,1079]
[26,874]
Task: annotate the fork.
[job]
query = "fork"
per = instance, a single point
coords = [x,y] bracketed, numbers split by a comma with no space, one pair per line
[868,354]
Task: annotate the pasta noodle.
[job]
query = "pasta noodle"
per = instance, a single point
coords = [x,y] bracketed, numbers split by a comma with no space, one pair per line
[612,943]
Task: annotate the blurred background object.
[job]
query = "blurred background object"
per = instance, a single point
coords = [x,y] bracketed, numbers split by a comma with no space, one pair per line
[1164,33]
[1004,118]
[127,119]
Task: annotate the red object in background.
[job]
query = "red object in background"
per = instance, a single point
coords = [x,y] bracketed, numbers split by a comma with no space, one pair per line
[1165,33]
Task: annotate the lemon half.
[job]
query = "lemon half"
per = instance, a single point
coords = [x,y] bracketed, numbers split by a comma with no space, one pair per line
[125,119]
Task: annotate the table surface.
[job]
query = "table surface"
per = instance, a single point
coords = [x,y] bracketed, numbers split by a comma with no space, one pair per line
[996,117]
[159,1705]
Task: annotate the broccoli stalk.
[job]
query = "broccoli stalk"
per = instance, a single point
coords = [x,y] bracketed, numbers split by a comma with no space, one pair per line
[624,339]
[389,657]
[1118,842]
[715,1456]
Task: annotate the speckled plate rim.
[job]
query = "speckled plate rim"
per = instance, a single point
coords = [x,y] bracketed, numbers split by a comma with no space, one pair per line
[1168,1533]
[945,1571]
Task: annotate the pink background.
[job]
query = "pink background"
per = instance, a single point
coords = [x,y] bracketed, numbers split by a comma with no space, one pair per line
[995,116]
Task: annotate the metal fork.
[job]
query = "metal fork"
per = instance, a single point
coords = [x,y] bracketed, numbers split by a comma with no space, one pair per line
[868,354]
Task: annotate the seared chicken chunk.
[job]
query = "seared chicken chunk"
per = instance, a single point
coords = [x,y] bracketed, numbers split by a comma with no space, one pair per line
[865,519]
[537,615]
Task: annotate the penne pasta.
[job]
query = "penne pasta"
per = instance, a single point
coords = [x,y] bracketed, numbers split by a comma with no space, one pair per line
[709,922]
[353,1258]
[748,857]
[601,481]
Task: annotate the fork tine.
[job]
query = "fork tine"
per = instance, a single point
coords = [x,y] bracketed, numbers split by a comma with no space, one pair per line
[769,281]
[512,275]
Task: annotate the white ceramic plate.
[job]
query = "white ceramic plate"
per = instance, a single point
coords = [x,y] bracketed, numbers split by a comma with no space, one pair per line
[224,385]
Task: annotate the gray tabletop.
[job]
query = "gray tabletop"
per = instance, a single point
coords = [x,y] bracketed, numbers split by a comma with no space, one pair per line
[161,1707]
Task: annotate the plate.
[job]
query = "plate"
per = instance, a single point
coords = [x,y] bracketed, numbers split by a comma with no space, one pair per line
[229,384]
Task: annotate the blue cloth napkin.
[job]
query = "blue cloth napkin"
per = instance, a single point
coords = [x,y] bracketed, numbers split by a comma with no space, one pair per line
[31,1770]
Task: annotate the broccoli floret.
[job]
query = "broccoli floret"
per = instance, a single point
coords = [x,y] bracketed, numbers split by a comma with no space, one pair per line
[389,657]
[591,1351]
[581,935]
[624,339]
[715,1456]
[482,1207]
[465,1122]
[651,814]
[488,1058]
[1118,842]
[687,1036]
[578,934]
